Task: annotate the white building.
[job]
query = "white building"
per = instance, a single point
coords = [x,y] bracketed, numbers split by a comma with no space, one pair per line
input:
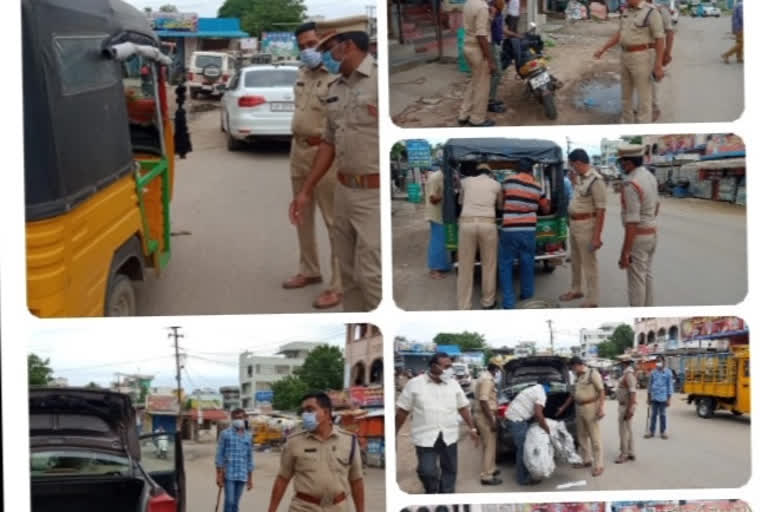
[589,339]
[258,373]
[609,149]
[657,334]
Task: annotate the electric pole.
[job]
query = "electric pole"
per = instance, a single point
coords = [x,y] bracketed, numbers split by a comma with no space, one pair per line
[551,337]
[175,335]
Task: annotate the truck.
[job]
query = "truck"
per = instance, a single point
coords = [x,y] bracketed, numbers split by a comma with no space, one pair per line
[719,381]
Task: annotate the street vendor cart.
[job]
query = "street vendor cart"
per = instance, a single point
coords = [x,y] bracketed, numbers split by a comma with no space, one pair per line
[368,425]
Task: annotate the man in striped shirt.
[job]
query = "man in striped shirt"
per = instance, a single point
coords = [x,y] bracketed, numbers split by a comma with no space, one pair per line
[523,196]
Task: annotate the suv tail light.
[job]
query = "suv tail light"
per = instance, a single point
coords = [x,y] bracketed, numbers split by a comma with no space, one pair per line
[251,101]
[502,411]
[190,76]
[161,503]
[225,78]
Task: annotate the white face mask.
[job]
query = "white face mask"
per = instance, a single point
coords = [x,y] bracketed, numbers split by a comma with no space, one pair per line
[447,375]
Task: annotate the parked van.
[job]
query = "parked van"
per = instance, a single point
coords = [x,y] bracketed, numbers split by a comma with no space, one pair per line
[209,73]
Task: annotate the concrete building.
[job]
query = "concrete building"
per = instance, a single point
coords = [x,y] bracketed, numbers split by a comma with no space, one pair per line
[655,335]
[60,382]
[258,373]
[364,356]
[134,385]
[230,397]
[590,339]
[609,150]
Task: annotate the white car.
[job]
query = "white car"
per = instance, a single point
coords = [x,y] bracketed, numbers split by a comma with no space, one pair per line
[674,9]
[258,102]
[209,73]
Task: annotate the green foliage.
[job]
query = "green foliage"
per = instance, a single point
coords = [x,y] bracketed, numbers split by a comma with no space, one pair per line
[39,370]
[169,8]
[92,385]
[397,152]
[323,369]
[467,341]
[288,392]
[257,16]
[621,339]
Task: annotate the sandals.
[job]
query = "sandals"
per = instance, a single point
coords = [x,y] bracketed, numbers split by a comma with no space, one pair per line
[597,472]
[566,297]
[582,465]
[621,459]
[436,274]
[327,300]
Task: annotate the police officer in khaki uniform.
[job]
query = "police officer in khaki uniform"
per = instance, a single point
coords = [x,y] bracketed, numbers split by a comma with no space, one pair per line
[323,461]
[589,395]
[480,196]
[669,31]
[477,50]
[639,209]
[487,426]
[351,137]
[626,395]
[586,211]
[310,91]
[641,30]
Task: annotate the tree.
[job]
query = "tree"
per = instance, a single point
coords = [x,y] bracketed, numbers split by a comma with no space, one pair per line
[169,8]
[39,370]
[257,16]
[397,152]
[621,339]
[323,369]
[288,392]
[467,341]
[148,10]
[92,385]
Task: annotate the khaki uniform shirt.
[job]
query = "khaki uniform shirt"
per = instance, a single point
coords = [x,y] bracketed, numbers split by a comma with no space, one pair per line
[588,386]
[479,196]
[322,469]
[589,193]
[434,187]
[627,386]
[476,21]
[353,119]
[634,29]
[485,390]
[309,117]
[666,18]
[639,198]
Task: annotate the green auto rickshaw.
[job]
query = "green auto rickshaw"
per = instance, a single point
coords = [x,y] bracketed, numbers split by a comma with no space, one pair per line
[502,155]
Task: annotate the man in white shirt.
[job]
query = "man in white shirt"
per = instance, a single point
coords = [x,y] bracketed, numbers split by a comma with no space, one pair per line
[528,405]
[513,15]
[432,400]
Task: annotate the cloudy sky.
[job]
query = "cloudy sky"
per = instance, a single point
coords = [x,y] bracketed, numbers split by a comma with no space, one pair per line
[210,8]
[95,353]
[508,330]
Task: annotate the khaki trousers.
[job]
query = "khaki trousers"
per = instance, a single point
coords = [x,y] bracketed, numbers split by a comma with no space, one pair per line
[636,68]
[626,441]
[477,233]
[584,261]
[357,241]
[588,433]
[475,104]
[639,272]
[738,48]
[309,264]
[488,439]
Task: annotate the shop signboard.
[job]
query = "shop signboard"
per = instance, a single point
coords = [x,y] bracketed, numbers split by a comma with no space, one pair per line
[674,144]
[162,403]
[264,396]
[367,396]
[703,327]
[419,153]
[280,44]
[724,144]
[176,21]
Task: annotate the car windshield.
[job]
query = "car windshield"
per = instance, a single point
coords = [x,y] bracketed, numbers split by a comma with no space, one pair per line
[264,78]
[64,462]
[206,60]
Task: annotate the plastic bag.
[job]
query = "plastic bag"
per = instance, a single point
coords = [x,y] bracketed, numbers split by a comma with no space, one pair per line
[538,453]
[562,441]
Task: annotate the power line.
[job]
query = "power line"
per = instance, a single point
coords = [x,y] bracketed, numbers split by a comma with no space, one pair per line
[175,335]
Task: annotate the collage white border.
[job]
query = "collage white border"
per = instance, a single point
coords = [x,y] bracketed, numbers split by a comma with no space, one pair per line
[16,322]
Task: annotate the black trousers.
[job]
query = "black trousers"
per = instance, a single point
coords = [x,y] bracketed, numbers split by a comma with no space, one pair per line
[438,479]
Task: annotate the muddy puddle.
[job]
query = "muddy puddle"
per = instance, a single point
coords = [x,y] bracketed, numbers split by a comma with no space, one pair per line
[599,93]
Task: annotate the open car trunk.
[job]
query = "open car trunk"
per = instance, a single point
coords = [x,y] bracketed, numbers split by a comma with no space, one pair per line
[113,494]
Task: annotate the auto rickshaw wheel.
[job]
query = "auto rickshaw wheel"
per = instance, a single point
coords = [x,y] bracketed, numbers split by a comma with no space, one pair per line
[121,298]
[737,413]
[705,407]
[549,267]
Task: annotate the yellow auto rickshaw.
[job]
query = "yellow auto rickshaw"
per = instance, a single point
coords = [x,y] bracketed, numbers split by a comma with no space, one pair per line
[98,155]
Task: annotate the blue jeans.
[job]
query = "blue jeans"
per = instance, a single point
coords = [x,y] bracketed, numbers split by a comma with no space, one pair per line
[434,480]
[519,431]
[233,491]
[521,246]
[658,410]
[437,255]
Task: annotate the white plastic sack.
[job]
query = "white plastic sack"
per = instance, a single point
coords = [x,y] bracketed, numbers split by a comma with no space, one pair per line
[538,453]
[562,441]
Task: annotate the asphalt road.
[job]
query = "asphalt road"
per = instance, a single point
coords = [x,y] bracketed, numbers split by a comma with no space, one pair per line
[701,259]
[233,243]
[202,490]
[711,453]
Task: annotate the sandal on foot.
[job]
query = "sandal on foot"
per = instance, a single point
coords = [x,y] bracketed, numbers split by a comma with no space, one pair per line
[566,297]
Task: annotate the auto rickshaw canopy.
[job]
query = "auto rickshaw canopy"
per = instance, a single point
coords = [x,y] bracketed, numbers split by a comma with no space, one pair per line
[76,125]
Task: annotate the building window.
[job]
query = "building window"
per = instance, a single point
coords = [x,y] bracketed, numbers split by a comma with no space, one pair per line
[377,372]
[250,371]
[357,376]
[283,369]
[267,370]
[673,332]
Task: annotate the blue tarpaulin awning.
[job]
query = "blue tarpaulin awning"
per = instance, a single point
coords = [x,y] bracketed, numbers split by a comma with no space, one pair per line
[181,33]
[451,350]
[209,27]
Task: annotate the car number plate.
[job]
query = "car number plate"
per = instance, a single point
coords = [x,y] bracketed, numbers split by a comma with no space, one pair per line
[540,80]
[281,106]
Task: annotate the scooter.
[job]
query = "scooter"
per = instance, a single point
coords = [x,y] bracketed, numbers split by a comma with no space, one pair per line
[162,448]
[528,55]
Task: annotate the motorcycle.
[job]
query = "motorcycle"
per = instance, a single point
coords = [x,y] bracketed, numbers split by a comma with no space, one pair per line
[162,448]
[528,55]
